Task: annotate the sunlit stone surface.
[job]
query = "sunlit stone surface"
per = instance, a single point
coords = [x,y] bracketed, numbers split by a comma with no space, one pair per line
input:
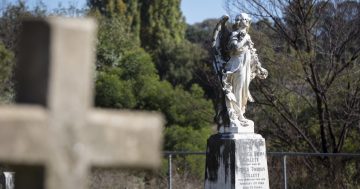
[236,161]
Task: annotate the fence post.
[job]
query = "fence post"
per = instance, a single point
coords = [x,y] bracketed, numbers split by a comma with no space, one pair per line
[284,171]
[169,172]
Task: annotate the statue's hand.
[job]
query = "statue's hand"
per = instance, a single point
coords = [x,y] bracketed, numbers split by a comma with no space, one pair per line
[263,73]
[242,41]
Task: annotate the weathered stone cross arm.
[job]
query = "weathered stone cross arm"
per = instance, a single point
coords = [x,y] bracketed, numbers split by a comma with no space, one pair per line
[109,138]
[23,134]
[136,137]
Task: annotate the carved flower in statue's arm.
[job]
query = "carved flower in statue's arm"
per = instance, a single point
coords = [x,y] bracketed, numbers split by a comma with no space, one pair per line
[243,39]
[262,73]
[259,71]
[238,40]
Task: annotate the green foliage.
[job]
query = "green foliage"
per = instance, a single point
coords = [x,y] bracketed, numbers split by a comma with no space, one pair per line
[128,9]
[161,31]
[108,8]
[180,107]
[121,63]
[188,139]
[10,22]
[201,33]
[178,63]
[190,108]
[161,20]
[10,28]
[127,78]
[113,92]
[152,21]
[163,36]
[114,39]
[6,66]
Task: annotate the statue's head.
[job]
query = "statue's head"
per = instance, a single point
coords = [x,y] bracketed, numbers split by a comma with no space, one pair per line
[242,20]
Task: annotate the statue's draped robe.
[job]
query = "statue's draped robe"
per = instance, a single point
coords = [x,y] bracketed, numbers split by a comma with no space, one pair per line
[238,76]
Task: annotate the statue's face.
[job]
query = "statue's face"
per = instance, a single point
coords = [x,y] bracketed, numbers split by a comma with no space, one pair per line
[242,21]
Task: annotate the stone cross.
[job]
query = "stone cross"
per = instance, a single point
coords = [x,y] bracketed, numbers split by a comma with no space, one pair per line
[54,124]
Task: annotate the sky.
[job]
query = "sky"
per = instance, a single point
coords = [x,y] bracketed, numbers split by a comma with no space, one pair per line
[194,10]
[199,10]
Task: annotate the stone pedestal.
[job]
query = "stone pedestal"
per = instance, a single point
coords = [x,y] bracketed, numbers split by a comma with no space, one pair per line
[7,180]
[236,161]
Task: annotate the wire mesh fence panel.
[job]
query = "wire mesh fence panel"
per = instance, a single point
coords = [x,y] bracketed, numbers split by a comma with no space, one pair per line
[303,171]
[187,170]
[323,172]
[286,170]
[275,171]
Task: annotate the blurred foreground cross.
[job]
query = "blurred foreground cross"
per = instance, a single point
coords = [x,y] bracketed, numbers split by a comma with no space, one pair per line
[56,126]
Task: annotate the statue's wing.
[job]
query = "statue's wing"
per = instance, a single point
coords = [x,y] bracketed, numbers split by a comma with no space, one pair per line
[220,39]
[219,42]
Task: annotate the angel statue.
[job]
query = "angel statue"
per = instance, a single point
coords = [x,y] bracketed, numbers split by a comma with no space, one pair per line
[236,63]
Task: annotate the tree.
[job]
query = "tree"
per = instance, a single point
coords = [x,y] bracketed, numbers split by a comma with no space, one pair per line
[188,139]
[129,9]
[108,8]
[163,36]
[10,22]
[161,20]
[125,66]
[321,39]
[161,31]
[312,94]
[127,78]
[154,21]
[200,33]
[10,28]
[6,67]
[179,63]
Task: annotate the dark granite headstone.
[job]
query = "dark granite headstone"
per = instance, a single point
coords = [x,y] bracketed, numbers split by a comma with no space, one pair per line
[236,161]
[2,180]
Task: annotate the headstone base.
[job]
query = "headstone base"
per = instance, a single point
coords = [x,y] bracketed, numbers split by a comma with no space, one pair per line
[236,161]
[2,180]
[7,180]
[241,129]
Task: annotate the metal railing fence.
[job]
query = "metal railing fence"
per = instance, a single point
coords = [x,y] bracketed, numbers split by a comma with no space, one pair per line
[283,155]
